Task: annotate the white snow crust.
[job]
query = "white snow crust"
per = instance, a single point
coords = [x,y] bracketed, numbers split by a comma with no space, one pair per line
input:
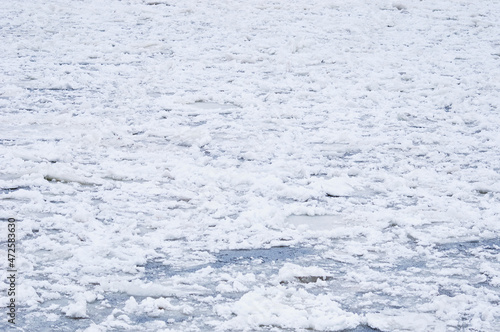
[147,147]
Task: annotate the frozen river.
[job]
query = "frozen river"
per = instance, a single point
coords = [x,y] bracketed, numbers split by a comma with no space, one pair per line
[251,165]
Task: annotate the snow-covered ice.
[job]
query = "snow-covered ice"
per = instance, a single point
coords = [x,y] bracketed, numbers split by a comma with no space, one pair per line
[252,165]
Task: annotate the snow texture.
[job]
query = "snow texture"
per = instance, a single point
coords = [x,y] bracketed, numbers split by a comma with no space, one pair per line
[166,161]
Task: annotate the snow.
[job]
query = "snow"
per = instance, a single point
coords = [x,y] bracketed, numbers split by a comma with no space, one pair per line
[238,165]
[76,310]
[286,308]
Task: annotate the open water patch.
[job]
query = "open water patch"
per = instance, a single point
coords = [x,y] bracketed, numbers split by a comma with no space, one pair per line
[271,255]
[405,264]
[465,246]
[157,269]
[160,269]
[362,328]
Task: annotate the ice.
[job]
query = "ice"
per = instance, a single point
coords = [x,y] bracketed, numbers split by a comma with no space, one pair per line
[172,165]
[292,272]
[287,309]
[317,223]
[76,310]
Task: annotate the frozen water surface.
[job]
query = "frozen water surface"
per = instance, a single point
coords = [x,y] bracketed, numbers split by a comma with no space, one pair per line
[213,106]
[251,165]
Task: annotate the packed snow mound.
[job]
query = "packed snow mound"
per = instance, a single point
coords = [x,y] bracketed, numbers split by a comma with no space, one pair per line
[293,272]
[286,308]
